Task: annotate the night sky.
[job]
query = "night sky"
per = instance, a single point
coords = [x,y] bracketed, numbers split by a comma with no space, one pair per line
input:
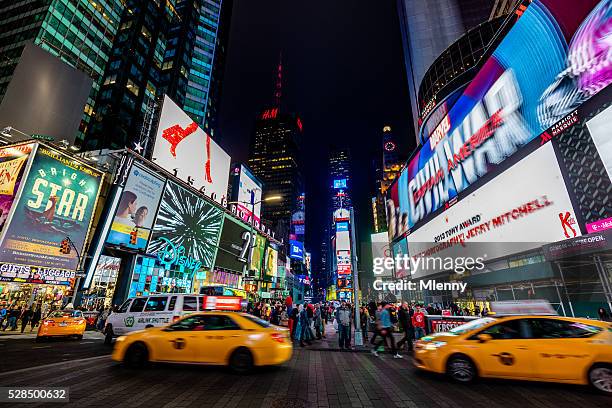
[343,73]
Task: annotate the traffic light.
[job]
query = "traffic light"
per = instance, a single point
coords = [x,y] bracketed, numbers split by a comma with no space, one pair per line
[134,236]
[65,246]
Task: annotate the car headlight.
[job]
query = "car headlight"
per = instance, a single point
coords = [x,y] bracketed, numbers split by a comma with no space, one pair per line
[435,345]
[120,338]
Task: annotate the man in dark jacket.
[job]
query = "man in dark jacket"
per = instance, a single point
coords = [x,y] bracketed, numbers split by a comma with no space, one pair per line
[405,322]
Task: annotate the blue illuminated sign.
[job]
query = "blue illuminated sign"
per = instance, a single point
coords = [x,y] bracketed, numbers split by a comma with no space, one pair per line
[296,250]
[340,183]
[173,255]
[342,226]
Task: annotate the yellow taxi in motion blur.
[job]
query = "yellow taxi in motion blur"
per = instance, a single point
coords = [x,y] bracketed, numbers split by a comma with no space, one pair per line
[237,340]
[58,323]
[528,347]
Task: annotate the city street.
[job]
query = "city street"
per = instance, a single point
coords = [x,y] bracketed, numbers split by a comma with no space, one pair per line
[313,378]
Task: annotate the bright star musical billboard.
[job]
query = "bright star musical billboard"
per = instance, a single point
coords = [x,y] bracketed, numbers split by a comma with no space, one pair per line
[58,200]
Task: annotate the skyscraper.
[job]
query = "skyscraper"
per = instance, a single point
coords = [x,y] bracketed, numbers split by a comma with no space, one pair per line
[132,76]
[428,29]
[80,32]
[340,177]
[392,159]
[194,62]
[275,157]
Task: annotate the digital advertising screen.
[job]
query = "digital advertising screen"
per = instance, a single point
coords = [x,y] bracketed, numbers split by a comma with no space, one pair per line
[515,97]
[248,188]
[340,183]
[296,249]
[343,241]
[503,221]
[13,162]
[186,151]
[381,249]
[257,257]
[58,201]
[186,226]
[136,208]
[271,261]
[233,246]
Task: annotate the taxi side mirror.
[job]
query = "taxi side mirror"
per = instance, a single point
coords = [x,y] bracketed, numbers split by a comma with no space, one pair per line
[483,338]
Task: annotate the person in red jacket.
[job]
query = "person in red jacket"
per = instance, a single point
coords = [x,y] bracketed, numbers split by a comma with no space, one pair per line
[418,321]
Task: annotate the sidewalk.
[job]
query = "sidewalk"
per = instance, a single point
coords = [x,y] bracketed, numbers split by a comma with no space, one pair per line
[27,334]
[330,343]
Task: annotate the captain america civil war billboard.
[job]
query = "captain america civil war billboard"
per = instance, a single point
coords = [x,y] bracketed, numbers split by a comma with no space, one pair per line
[58,201]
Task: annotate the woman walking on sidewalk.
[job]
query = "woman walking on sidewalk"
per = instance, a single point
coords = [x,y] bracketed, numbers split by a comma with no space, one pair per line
[26,315]
[36,316]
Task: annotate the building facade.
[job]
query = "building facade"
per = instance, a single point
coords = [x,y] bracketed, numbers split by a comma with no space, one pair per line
[80,32]
[424,41]
[194,61]
[340,178]
[275,158]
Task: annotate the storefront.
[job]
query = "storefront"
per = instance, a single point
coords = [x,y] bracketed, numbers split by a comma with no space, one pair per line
[100,293]
[29,286]
[219,282]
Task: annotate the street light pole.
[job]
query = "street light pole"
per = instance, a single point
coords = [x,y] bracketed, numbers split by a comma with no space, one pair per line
[358,334]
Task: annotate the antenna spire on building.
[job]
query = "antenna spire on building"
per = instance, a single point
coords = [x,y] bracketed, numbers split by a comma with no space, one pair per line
[279,81]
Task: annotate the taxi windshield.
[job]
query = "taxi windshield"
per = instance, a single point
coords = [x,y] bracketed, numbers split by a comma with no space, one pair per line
[473,325]
[65,314]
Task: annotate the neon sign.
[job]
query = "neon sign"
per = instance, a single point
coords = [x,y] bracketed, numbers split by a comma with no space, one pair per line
[173,255]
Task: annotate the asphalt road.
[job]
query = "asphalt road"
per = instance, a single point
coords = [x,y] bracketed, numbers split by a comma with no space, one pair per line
[313,378]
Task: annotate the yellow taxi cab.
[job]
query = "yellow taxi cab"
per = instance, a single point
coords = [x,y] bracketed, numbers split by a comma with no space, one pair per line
[237,340]
[65,322]
[526,347]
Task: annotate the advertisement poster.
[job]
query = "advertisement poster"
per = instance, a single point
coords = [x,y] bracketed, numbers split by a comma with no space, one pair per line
[502,221]
[600,128]
[515,96]
[248,188]
[296,249]
[381,249]
[233,246]
[33,274]
[257,257]
[137,206]
[186,151]
[271,261]
[57,201]
[343,240]
[12,168]
[186,229]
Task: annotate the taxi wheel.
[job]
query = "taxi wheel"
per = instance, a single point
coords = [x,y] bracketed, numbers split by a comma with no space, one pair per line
[461,369]
[241,361]
[136,356]
[600,377]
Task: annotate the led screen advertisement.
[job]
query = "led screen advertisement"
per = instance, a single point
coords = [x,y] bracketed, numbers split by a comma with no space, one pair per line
[186,229]
[247,190]
[12,168]
[296,249]
[343,241]
[271,261]
[233,246]
[58,200]
[501,220]
[340,183]
[516,96]
[257,257]
[185,150]
[136,208]
[381,249]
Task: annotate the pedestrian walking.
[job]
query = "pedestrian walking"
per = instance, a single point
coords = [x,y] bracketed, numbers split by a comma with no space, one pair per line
[386,330]
[318,322]
[36,316]
[343,317]
[102,317]
[418,321]
[305,333]
[3,313]
[293,321]
[405,323]
[375,324]
[25,317]
[364,320]
[11,321]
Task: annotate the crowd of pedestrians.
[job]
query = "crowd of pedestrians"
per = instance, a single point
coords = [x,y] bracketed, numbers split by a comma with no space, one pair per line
[12,316]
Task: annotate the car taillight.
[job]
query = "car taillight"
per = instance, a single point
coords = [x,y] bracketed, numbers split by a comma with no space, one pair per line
[175,318]
[49,322]
[279,337]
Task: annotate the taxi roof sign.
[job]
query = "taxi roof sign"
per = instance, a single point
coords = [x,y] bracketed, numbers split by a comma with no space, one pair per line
[226,303]
[522,307]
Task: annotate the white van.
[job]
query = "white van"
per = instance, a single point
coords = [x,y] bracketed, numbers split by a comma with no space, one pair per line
[143,312]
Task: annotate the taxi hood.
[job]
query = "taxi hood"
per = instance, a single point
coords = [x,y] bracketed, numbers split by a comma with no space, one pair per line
[440,336]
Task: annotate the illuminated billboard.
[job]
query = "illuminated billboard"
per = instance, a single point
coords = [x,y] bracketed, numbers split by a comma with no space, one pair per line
[233,245]
[380,249]
[186,151]
[505,220]
[343,240]
[187,228]
[257,256]
[271,260]
[12,168]
[515,96]
[341,183]
[136,208]
[296,250]
[247,191]
[58,201]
